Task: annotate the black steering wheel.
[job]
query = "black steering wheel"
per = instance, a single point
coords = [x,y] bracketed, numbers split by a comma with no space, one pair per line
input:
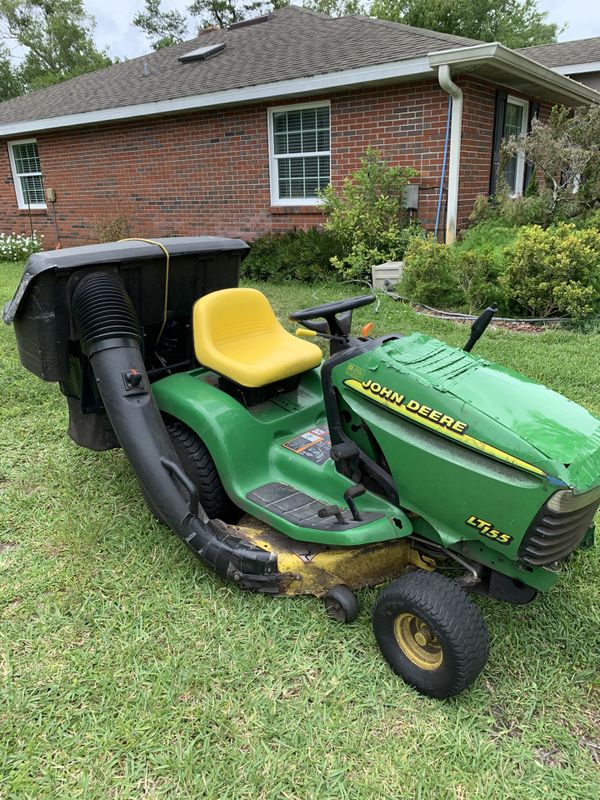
[337,325]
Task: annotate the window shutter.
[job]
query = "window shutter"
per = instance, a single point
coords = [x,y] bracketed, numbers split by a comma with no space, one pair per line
[501,96]
[534,110]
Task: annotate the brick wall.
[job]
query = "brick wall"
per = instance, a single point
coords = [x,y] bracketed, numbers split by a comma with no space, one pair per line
[207,172]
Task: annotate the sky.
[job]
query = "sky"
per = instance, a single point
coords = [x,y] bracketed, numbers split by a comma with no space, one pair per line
[114,17]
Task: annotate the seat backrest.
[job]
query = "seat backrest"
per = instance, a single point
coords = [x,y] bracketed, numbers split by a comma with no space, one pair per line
[224,318]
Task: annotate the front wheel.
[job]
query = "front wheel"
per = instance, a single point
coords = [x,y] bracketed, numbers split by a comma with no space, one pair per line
[430,633]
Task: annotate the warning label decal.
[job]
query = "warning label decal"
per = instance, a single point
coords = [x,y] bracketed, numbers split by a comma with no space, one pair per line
[315,445]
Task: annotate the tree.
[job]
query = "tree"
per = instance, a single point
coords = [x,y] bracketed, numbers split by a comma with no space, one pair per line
[366,215]
[514,23]
[223,13]
[335,8]
[56,36]
[10,80]
[564,151]
[163,28]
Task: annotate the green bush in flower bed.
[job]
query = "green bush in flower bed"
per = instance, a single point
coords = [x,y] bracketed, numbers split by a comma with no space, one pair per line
[302,255]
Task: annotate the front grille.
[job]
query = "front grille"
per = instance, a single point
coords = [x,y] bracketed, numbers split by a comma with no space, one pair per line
[553,535]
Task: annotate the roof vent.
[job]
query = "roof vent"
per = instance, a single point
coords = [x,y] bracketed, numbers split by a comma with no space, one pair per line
[202,53]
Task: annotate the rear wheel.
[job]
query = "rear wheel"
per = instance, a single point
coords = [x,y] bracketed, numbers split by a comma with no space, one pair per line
[199,466]
[430,633]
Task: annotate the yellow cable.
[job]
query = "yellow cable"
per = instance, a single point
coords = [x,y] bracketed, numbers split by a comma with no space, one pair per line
[167,266]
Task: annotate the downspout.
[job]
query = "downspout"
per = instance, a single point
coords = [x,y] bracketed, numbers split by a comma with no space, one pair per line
[456,94]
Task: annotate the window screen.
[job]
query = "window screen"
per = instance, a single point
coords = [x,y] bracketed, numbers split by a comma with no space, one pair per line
[513,126]
[29,182]
[301,151]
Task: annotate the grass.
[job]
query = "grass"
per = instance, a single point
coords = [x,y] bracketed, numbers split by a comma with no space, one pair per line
[129,671]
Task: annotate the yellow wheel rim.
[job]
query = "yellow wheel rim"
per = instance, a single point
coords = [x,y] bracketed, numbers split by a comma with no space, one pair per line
[418,642]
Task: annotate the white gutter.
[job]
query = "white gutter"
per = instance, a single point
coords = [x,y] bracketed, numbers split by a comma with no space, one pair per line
[423,66]
[577,69]
[410,67]
[468,58]
[521,66]
[456,94]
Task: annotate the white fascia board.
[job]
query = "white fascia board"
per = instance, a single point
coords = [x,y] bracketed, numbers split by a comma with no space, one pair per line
[519,65]
[464,55]
[577,69]
[412,67]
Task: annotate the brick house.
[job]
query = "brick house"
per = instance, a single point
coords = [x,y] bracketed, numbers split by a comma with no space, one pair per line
[234,132]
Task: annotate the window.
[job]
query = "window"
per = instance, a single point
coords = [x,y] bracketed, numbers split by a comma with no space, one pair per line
[27,173]
[299,142]
[515,124]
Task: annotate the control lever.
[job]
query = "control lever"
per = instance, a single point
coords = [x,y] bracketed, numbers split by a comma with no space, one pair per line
[349,495]
[306,333]
[332,511]
[479,326]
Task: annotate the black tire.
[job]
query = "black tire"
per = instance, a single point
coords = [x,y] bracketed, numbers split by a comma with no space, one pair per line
[341,604]
[430,633]
[199,466]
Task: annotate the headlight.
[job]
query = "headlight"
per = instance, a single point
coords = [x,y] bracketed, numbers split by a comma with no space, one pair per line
[565,500]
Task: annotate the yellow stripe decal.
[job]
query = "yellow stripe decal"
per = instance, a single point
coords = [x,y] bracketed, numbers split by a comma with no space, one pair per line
[462,438]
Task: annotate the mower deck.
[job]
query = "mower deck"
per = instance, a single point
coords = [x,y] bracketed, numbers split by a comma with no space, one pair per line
[313,569]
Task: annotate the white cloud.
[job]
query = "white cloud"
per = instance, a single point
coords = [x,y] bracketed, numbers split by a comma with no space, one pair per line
[115,30]
[582,16]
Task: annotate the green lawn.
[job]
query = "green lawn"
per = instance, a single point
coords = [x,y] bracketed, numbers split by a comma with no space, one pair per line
[129,671]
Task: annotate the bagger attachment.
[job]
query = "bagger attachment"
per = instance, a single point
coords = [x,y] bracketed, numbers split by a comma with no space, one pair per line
[76,324]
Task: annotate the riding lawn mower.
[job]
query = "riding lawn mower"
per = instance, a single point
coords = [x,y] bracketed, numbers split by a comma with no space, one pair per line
[288,474]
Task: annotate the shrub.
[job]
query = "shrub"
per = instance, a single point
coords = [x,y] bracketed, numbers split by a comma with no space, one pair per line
[476,276]
[590,220]
[298,255]
[555,271]
[18,246]
[446,276]
[117,223]
[429,275]
[367,216]
[493,238]
[535,207]
[564,150]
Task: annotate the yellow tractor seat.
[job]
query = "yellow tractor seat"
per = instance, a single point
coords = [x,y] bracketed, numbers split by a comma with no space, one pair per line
[237,334]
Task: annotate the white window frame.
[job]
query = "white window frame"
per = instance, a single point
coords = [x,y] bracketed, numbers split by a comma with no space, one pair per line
[21,202]
[273,170]
[520,171]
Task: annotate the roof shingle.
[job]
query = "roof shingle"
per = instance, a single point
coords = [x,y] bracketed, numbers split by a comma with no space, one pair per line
[292,42]
[559,54]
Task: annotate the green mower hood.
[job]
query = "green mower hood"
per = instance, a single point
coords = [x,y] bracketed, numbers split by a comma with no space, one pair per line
[496,410]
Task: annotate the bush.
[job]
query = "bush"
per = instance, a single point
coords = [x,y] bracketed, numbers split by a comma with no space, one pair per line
[298,255]
[117,223]
[19,246]
[532,208]
[555,271]
[492,238]
[590,220]
[564,151]
[476,276]
[428,275]
[367,216]
[446,276]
